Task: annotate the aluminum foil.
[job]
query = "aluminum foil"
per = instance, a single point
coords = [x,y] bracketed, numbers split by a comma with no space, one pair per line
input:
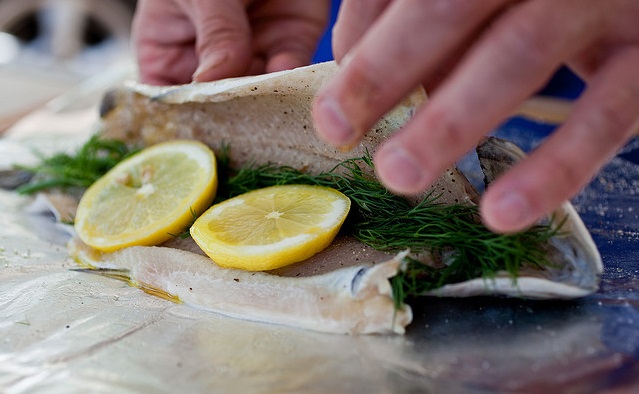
[67,331]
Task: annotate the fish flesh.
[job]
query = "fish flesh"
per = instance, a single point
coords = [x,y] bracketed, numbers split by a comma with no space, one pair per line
[266,119]
[352,300]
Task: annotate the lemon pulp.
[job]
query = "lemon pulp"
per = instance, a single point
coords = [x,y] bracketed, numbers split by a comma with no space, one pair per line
[148,197]
[272,227]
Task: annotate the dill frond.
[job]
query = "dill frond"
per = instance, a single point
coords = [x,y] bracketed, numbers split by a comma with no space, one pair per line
[94,159]
[388,222]
[186,233]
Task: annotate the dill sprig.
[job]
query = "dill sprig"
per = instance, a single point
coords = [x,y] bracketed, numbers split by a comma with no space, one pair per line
[385,221]
[81,169]
[252,177]
[184,234]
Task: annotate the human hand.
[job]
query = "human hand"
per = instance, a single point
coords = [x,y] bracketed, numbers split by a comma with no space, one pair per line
[479,61]
[178,41]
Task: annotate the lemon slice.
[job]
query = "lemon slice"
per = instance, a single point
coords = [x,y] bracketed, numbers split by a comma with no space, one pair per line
[272,227]
[148,197]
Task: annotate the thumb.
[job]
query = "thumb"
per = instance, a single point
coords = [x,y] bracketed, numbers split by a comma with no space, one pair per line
[223,43]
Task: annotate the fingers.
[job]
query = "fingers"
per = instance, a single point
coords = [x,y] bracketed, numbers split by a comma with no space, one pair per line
[286,33]
[602,120]
[403,47]
[223,44]
[509,63]
[179,41]
[267,36]
[355,17]
[204,40]
[163,37]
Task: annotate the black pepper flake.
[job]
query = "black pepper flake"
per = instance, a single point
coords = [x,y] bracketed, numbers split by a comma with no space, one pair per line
[236,279]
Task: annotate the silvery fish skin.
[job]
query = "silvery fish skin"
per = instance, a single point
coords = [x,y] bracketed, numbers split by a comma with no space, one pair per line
[576,262]
[12,179]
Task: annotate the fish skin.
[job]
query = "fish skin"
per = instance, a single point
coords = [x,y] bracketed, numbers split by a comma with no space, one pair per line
[263,119]
[496,156]
[576,262]
[12,179]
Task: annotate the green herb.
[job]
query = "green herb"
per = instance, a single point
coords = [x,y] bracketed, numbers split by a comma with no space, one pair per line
[186,233]
[90,162]
[388,222]
[451,233]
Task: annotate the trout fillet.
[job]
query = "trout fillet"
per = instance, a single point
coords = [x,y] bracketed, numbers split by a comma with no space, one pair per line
[267,119]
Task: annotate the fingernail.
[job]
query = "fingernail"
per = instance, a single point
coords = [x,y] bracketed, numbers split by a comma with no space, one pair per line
[513,212]
[208,63]
[332,124]
[399,170]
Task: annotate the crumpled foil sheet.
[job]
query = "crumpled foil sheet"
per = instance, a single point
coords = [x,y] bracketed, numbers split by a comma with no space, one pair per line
[67,331]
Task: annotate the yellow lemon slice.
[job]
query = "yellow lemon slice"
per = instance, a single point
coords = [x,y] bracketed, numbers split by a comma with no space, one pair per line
[148,197]
[272,227]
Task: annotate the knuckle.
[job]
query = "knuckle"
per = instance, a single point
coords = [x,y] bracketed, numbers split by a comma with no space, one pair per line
[363,92]
[363,81]
[217,29]
[451,130]
[448,130]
